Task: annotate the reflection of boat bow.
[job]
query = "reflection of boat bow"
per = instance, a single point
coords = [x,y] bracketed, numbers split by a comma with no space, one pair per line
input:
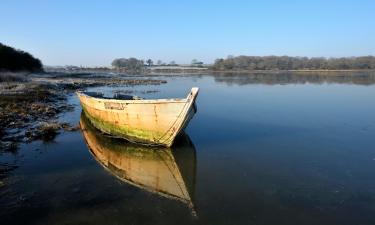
[168,172]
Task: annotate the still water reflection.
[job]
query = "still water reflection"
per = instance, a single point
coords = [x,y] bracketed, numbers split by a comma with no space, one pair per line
[276,78]
[271,149]
[169,172]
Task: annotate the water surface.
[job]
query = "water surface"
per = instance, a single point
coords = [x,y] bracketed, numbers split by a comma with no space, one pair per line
[260,150]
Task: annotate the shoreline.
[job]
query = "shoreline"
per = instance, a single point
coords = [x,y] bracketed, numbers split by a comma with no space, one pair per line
[199,71]
[32,105]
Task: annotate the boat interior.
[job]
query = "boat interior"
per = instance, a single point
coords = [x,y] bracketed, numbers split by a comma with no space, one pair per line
[115,96]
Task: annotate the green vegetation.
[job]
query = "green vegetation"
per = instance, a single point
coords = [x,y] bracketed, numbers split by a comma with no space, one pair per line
[130,64]
[134,65]
[293,63]
[17,60]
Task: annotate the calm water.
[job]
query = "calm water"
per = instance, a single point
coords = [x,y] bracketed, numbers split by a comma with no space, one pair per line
[260,150]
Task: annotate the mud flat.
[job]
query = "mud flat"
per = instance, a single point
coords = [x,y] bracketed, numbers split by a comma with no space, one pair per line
[30,108]
[28,112]
[81,82]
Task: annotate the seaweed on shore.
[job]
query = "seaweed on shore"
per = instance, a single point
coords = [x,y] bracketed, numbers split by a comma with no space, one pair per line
[30,109]
[27,112]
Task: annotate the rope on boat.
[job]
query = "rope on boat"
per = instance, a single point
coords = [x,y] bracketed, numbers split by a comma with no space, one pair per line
[183,109]
[162,136]
[174,176]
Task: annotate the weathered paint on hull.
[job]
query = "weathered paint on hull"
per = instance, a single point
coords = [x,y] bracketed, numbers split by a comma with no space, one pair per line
[142,121]
[152,168]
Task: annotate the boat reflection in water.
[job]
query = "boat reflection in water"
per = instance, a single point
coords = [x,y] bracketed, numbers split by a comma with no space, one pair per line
[169,172]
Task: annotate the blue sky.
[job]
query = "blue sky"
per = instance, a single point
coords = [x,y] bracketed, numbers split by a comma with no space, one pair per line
[93,33]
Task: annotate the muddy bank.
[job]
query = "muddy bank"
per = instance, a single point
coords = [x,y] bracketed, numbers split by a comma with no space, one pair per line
[30,108]
[26,108]
[80,82]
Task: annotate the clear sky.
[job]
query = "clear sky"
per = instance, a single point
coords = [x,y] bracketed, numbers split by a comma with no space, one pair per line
[93,33]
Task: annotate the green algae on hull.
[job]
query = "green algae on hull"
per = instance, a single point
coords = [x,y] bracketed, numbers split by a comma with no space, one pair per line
[150,122]
[132,135]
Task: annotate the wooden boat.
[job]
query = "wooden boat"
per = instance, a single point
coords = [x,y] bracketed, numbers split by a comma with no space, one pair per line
[165,171]
[152,122]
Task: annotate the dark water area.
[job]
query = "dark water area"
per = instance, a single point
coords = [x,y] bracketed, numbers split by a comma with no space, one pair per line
[261,149]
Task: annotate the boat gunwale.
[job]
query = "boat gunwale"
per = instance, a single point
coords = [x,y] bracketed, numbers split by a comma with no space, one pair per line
[137,101]
[188,101]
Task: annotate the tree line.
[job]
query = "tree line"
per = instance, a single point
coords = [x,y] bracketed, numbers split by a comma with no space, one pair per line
[293,63]
[137,65]
[130,64]
[17,60]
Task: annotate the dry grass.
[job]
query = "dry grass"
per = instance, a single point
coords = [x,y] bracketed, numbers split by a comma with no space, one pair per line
[12,77]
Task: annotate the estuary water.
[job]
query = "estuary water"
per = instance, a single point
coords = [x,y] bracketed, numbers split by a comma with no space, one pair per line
[276,149]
